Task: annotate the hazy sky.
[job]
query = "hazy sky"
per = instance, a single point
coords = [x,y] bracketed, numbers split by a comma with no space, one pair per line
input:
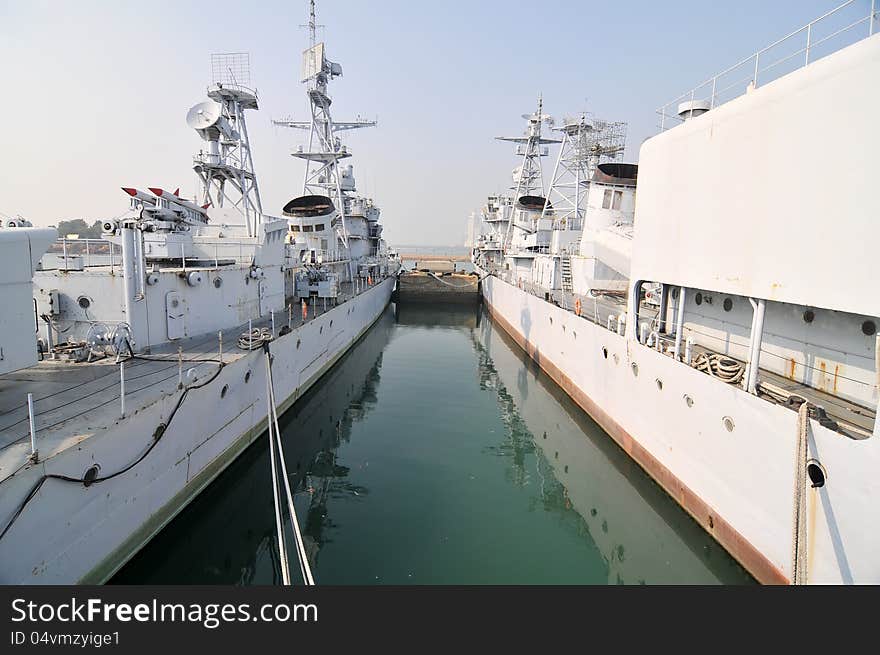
[95,93]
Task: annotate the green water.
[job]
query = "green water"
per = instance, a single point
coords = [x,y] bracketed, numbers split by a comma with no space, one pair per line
[435,453]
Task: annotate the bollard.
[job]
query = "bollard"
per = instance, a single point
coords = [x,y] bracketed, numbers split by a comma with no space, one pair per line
[179,367]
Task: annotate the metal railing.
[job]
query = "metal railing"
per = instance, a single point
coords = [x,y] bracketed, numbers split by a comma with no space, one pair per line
[94,252]
[823,36]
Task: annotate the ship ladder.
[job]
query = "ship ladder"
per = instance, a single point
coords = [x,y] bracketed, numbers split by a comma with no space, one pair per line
[566,274]
[275,442]
[799,527]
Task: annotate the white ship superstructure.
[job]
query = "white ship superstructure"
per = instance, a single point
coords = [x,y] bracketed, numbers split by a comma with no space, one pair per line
[724,331]
[335,234]
[156,343]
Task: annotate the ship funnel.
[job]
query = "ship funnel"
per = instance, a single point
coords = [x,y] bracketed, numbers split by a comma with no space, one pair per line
[692,108]
[308,206]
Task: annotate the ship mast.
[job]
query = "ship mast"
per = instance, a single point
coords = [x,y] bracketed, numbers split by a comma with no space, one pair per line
[586,142]
[325,149]
[529,175]
[226,170]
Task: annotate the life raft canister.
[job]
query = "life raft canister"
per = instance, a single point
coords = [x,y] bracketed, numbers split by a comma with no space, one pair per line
[577,306]
[305,310]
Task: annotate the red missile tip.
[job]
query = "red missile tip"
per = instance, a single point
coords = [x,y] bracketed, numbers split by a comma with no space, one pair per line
[131,192]
[156,191]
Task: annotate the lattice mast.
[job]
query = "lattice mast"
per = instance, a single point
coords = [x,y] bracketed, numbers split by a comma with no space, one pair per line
[226,170]
[325,149]
[586,143]
[529,175]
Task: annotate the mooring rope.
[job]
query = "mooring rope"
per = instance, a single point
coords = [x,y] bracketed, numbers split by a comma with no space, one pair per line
[275,440]
[279,528]
[255,338]
[799,527]
[454,286]
[304,567]
[724,368]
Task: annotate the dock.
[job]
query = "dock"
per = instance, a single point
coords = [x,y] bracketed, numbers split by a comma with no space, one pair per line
[428,286]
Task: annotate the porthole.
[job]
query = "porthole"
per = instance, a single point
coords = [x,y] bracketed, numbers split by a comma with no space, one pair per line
[91,474]
[688,400]
[563,328]
[728,423]
[616,358]
[698,298]
[728,304]
[817,474]
[224,390]
[809,316]
[247,376]
[659,384]
[297,344]
[321,330]
[869,328]
[331,323]
[218,282]
[574,334]
[635,369]
[605,352]
[84,301]
[551,320]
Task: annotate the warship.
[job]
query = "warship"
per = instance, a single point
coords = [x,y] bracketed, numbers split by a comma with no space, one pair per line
[722,330]
[137,367]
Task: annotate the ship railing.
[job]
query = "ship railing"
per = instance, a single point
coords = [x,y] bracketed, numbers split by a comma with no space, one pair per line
[94,252]
[600,309]
[842,26]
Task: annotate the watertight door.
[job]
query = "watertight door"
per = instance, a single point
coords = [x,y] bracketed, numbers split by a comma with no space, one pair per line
[175,312]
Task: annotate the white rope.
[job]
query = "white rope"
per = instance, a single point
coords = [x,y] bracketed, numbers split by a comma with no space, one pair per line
[279,528]
[466,285]
[724,368]
[305,569]
[799,527]
[254,339]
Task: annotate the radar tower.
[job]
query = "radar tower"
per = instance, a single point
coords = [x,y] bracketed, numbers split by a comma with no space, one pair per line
[325,149]
[226,170]
[586,142]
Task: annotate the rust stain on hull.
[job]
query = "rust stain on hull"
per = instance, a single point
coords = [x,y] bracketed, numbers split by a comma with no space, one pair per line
[723,532]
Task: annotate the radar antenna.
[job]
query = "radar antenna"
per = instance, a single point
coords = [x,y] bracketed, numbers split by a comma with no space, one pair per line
[586,142]
[325,149]
[529,175]
[226,170]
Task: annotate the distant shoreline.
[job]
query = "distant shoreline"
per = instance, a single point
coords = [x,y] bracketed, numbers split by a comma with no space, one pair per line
[434,258]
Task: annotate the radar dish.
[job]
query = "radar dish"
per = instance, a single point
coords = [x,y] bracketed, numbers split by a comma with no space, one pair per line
[204,115]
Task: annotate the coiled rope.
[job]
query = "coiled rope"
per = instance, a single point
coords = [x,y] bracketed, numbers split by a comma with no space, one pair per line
[719,366]
[255,338]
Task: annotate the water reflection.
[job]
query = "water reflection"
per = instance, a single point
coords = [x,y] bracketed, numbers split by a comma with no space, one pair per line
[579,474]
[436,452]
[227,535]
